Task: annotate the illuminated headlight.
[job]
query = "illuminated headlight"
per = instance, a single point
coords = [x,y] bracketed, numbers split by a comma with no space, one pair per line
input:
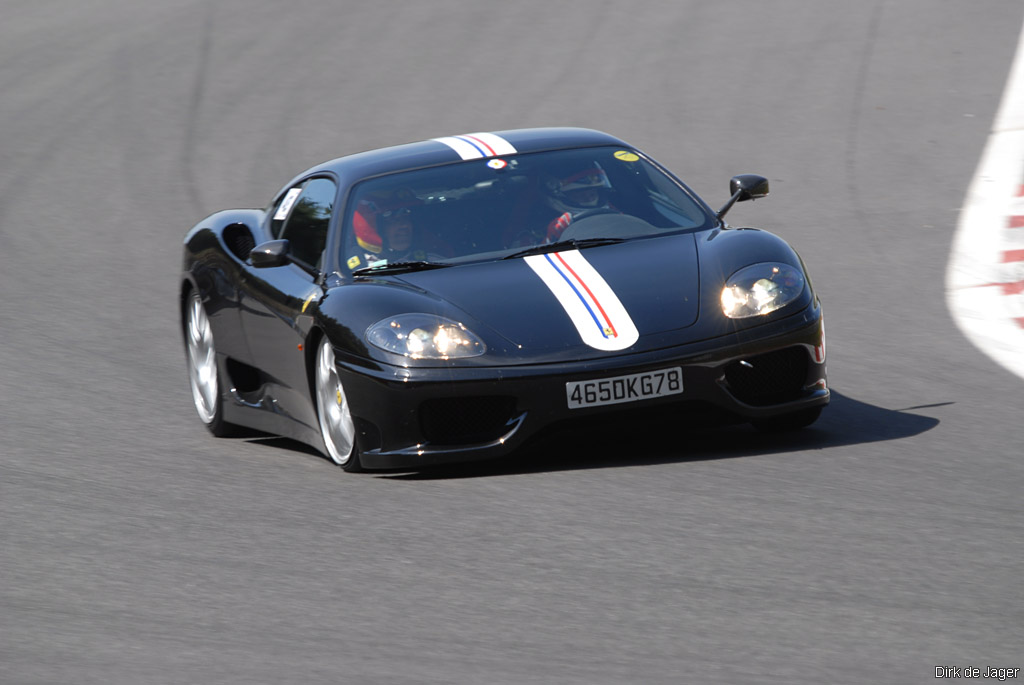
[425,336]
[760,289]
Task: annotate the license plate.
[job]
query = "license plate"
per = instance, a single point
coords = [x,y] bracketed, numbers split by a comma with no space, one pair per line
[631,388]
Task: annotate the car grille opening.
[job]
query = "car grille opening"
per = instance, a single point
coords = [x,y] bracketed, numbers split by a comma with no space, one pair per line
[465,420]
[243,377]
[771,378]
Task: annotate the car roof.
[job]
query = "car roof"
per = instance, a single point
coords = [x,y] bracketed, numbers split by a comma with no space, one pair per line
[447,149]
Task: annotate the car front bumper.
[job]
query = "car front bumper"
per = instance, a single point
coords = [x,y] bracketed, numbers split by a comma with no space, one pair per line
[417,416]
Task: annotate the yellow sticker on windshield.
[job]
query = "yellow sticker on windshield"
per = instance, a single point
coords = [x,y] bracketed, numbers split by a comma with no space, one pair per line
[626,156]
[353,262]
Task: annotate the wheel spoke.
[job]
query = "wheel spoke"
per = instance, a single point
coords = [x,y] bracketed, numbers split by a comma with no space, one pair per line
[332,407]
[202,360]
[194,334]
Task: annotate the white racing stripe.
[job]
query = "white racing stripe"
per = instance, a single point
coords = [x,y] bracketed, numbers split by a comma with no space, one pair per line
[499,145]
[983,280]
[464,149]
[603,323]
[478,145]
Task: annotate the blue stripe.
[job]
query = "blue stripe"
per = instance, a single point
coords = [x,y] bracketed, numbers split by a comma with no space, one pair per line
[578,294]
[473,143]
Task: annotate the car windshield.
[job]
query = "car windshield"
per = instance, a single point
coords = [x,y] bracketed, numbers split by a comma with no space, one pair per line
[503,206]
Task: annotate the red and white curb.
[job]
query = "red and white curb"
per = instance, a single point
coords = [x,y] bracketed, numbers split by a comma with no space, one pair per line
[985,276]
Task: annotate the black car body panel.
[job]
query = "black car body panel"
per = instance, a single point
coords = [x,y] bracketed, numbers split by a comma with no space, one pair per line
[409,410]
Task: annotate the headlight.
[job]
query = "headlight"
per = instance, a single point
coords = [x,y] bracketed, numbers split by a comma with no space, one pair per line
[760,289]
[425,336]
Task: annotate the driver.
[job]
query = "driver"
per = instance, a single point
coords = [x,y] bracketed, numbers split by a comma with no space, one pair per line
[397,231]
[385,231]
[583,191]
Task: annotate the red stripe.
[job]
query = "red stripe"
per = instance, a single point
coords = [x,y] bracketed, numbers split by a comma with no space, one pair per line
[1013,256]
[489,148]
[1020,321]
[1020,191]
[1016,222]
[1007,288]
[580,281]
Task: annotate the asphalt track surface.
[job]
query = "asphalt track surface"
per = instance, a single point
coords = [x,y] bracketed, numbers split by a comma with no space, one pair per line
[135,548]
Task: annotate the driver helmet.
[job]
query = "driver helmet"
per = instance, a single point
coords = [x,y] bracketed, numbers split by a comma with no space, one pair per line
[371,213]
[582,190]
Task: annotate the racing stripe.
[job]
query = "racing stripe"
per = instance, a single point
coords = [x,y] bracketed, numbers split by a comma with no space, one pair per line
[478,145]
[601,320]
[481,147]
[463,148]
[605,324]
[497,144]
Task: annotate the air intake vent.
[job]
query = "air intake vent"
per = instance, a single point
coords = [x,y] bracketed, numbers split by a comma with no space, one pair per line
[771,378]
[239,240]
[466,420]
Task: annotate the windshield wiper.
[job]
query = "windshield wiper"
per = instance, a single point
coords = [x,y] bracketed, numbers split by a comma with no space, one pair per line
[397,267]
[574,243]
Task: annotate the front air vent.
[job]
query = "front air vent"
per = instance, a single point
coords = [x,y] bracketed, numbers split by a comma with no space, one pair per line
[771,378]
[239,240]
[466,420]
[243,378]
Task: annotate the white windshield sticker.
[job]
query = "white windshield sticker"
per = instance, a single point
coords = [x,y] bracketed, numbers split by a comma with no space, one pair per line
[286,205]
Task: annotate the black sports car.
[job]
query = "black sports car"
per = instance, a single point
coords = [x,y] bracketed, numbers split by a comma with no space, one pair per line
[448,299]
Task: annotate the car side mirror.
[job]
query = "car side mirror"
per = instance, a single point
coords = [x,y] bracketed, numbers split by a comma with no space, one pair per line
[744,187]
[270,253]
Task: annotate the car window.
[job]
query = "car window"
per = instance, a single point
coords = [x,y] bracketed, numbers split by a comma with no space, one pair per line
[305,227]
[487,209]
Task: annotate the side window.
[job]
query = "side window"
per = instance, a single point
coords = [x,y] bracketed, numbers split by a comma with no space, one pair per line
[306,226]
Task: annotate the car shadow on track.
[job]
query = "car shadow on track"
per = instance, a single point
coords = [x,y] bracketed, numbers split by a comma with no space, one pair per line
[845,422]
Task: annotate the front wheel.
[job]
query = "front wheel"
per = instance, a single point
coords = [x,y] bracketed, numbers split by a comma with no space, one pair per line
[201,357]
[332,410]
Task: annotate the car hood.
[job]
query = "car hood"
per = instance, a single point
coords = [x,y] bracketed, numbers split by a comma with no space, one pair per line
[655,280]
